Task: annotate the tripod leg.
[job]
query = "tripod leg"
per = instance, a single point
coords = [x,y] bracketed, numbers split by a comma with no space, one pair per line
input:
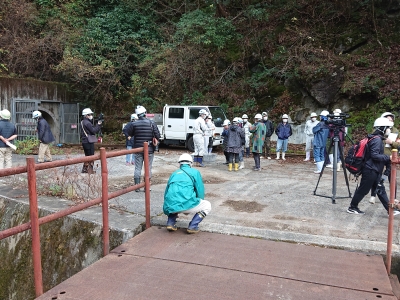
[334,181]
[323,167]
[344,170]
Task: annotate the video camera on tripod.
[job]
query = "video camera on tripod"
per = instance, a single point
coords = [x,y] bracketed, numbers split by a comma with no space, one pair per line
[338,120]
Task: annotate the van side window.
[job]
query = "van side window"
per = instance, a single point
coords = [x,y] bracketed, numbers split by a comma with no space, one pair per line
[194,113]
[175,113]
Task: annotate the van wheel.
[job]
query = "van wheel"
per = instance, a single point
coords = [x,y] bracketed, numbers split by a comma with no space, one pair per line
[190,144]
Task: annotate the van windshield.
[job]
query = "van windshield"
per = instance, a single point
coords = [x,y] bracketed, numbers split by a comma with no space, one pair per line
[218,115]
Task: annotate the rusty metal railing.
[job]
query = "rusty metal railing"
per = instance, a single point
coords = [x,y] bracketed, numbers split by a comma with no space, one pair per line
[392,206]
[35,221]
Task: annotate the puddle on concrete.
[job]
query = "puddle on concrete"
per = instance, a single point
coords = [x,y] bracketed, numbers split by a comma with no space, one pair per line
[244,206]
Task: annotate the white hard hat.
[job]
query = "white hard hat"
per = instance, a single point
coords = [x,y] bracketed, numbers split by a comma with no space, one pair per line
[87,111]
[36,114]
[202,112]
[337,111]
[285,116]
[226,123]
[209,117]
[235,120]
[383,122]
[134,117]
[245,116]
[258,116]
[5,114]
[324,113]
[313,114]
[140,110]
[185,158]
[264,114]
[385,114]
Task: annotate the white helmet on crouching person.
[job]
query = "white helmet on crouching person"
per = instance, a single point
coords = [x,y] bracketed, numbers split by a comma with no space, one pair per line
[185,158]
[140,111]
[383,125]
[36,114]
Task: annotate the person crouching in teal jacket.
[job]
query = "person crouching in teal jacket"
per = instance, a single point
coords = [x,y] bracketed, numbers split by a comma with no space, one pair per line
[185,194]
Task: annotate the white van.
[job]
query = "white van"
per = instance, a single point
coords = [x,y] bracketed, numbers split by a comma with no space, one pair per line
[176,124]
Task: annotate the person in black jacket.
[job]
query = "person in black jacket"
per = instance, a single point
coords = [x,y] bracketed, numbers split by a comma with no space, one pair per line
[45,137]
[8,133]
[143,130]
[375,161]
[88,132]
[269,131]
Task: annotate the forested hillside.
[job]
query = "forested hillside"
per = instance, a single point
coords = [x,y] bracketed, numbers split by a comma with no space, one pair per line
[279,56]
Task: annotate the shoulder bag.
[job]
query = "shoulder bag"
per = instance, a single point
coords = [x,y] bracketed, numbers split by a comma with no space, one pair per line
[91,138]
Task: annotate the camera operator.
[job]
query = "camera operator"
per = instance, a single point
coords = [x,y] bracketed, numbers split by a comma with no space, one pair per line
[375,161]
[321,131]
[389,145]
[337,113]
[88,135]
[143,130]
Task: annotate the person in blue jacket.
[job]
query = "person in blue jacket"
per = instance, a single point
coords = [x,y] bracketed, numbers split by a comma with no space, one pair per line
[185,194]
[283,131]
[321,132]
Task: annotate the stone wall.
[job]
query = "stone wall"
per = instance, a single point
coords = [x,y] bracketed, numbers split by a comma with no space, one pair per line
[68,245]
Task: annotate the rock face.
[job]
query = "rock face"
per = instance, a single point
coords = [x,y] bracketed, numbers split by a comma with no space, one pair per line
[326,90]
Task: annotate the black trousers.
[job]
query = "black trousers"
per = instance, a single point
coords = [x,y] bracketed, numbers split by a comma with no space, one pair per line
[88,148]
[257,161]
[369,180]
[233,157]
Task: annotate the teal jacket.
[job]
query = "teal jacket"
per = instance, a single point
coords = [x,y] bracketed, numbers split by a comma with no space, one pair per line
[183,192]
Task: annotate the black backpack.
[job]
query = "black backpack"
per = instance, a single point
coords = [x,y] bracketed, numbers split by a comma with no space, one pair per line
[355,158]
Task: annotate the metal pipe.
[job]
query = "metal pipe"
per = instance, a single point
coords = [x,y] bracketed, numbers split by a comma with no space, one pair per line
[393,175]
[34,216]
[46,219]
[147,183]
[104,197]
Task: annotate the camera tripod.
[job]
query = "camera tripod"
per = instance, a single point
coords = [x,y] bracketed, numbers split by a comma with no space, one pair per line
[336,149]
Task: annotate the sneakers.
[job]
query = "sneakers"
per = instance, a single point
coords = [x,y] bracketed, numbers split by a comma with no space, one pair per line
[306,159]
[269,157]
[396,212]
[355,210]
[257,169]
[372,200]
[329,166]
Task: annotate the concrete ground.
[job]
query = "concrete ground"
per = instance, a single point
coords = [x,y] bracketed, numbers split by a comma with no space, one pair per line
[277,203]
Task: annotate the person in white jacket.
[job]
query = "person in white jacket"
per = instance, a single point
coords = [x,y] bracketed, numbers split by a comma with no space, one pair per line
[208,135]
[247,134]
[199,131]
[308,130]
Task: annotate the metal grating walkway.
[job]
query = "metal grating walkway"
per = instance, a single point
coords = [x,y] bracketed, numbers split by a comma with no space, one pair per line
[158,264]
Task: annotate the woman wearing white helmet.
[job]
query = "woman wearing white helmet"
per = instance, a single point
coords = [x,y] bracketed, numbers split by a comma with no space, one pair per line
[199,131]
[371,173]
[129,141]
[283,131]
[310,124]
[258,130]
[185,194]
[45,137]
[8,133]
[235,140]
[88,137]
[224,133]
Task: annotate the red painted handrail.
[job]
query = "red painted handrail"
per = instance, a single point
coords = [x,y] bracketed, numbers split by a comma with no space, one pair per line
[35,221]
[393,180]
